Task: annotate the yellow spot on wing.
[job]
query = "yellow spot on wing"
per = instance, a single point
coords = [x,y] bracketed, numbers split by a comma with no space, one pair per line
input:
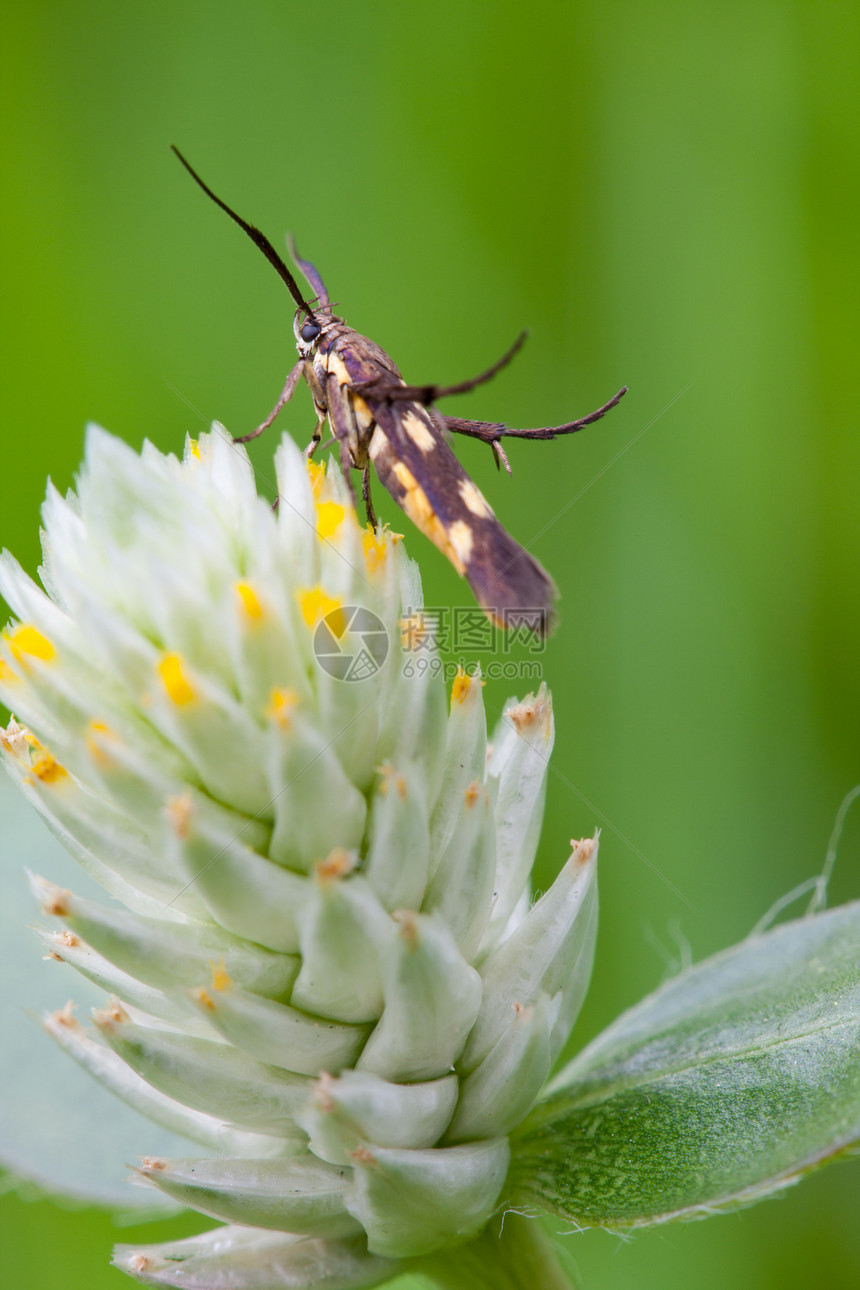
[419,432]
[337,367]
[475,499]
[362,413]
[26,639]
[329,518]
[249,599]
[176,683]
[378,444]
[460,537]
[417,506]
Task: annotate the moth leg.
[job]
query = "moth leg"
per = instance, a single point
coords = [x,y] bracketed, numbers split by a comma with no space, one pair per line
[286,394]
[346,466]
[342,425]
[487,431]
[365,493]
[501,457]
[430,393]
[492,431]
[315,437]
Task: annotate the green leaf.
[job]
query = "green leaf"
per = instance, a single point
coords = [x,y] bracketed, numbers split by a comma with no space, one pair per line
[725,1084]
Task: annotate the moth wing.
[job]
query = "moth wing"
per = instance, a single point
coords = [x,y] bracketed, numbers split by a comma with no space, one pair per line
[418,468]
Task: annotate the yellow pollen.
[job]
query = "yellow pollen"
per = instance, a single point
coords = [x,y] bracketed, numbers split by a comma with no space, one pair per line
[204,998]
[221,979]
[336,865]
[17,740]
[583,850]
[55,900]
[194,449]
[47,769]
[6,672]
[316,475]
[329,518]
[26,639]
[178,813]
[461,687]
[153,1163]
[390,779]
[113,1015]
[375,548]
[473,792]
[280,706]
[176,683]
[315,604]
[322,1092]
[97,734]
[66,1016]
[413,632]
[408,926]
[532,712]
[250,601]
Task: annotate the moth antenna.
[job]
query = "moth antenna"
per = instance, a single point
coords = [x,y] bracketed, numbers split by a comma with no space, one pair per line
[259,239]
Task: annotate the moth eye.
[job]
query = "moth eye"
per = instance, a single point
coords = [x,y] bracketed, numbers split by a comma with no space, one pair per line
[310,330]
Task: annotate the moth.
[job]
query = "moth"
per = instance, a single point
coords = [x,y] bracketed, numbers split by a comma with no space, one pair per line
[377,419]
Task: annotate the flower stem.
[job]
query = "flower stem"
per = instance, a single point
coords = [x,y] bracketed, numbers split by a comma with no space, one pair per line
[519,1257]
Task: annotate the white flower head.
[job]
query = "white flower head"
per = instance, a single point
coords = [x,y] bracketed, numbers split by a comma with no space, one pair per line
[326,969]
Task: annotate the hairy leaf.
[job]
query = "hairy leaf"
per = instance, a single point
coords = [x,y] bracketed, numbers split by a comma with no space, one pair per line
[728,1082]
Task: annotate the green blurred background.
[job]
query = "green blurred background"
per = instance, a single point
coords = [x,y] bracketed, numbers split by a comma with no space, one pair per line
[668,195]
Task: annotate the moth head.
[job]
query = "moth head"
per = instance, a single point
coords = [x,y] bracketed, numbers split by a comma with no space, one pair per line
[307,330]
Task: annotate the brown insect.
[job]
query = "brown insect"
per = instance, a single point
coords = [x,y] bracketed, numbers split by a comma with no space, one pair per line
[377,418]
